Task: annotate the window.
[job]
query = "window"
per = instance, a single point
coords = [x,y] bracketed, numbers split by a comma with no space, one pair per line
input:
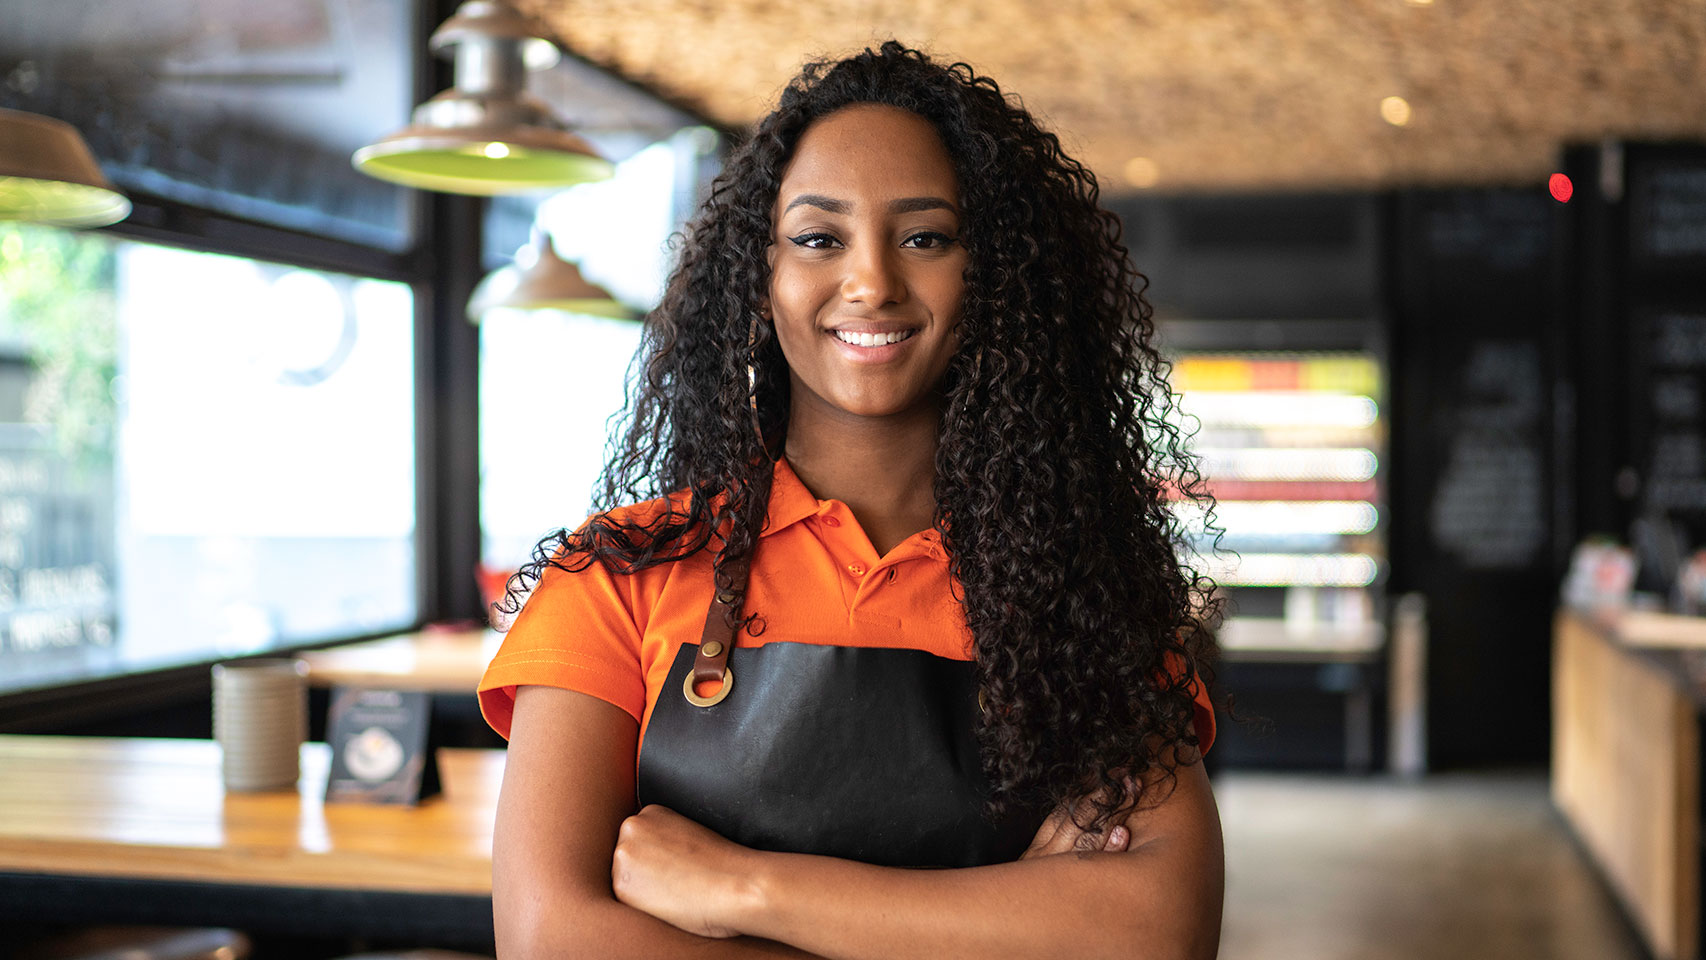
[200,456]
[543,422]
[551,382]
[248,109]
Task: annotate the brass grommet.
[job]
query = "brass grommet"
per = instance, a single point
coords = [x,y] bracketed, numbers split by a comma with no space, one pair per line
[726,597]
[713,699]
[712,648]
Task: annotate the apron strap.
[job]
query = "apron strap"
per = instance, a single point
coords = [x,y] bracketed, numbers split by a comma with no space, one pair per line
[712,661]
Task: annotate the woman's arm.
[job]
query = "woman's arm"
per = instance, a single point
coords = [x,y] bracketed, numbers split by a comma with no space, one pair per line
[568,785]
[1159,899]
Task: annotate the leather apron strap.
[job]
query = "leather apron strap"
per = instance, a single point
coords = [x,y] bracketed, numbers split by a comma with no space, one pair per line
[718,637]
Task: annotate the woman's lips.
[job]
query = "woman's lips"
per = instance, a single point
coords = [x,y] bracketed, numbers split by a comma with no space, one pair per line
[873,354]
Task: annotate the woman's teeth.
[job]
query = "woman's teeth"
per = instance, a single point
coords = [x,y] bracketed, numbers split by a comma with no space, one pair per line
[872,339]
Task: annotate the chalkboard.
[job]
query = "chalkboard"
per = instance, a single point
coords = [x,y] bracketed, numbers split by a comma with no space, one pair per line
[1501,230]
[1672,401]
[1489,506]
[1667,207]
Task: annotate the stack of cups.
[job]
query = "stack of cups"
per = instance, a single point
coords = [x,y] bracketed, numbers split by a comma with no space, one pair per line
[260,718]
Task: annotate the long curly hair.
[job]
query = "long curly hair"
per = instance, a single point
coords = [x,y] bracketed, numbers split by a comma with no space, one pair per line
[1058,450]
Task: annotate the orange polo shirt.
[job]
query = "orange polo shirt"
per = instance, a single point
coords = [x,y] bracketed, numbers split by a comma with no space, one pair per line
[815,579]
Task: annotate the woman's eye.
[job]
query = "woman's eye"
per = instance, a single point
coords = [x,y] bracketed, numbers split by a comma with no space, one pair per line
[928,240]
[813,241]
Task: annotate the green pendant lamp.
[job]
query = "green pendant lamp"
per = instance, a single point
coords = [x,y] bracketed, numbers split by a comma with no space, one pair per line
[48,175]
[486,135]
[541,280]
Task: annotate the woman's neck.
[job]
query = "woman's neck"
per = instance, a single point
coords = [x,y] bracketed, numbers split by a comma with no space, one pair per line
[884,469]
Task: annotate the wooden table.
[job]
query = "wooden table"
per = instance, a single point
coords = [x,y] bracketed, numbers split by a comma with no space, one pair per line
[141,831]
[436,661]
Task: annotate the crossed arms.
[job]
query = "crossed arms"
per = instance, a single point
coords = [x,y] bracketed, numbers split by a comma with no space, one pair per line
[577,873]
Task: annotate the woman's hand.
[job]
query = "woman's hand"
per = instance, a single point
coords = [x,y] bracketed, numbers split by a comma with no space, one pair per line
[1059,834]
[680,872]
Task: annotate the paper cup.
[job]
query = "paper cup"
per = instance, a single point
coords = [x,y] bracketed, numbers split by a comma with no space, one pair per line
[260,718]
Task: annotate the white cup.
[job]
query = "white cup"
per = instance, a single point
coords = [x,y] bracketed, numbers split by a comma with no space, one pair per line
[260,718]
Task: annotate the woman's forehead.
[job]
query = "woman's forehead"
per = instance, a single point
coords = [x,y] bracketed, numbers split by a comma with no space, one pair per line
[869,154]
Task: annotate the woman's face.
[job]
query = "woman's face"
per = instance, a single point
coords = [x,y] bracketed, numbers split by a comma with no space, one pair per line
[866,251]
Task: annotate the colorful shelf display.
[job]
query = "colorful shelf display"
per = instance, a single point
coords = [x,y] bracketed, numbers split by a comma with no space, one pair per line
[1290,446]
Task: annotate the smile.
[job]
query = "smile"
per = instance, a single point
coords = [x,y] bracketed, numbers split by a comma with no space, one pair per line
[871,339]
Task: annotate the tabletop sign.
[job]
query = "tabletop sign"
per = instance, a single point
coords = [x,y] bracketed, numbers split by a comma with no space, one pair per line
[382,748]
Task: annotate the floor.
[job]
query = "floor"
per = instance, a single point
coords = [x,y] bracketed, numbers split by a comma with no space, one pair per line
[1460,866]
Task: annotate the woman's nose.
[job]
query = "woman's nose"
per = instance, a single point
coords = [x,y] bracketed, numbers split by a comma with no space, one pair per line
[873,278]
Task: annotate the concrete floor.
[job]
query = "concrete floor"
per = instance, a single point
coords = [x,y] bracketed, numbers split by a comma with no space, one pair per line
[1460,866]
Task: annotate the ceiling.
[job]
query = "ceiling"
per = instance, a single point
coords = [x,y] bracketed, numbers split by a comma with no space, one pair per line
[1216,94]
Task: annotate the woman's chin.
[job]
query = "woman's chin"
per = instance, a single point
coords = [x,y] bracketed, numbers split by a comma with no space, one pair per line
[876,405]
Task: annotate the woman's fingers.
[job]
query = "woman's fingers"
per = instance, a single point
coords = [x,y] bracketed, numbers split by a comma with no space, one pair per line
[1049,836]
[1060,833]
[1119,838]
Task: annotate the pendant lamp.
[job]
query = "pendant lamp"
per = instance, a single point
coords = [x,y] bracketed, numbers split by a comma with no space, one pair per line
[541,280]
[486,135]
[48,175]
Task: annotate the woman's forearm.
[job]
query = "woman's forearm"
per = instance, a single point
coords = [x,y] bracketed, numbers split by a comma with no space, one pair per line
[1079,905]
[614,931]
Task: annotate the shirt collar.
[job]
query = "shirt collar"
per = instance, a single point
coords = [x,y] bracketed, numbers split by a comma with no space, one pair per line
[791,502]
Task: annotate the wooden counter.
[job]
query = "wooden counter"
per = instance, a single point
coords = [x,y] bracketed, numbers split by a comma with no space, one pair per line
[135,831]
[436,661]
[1626,774]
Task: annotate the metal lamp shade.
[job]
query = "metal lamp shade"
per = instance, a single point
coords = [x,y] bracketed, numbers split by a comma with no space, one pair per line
[48,175]
[485,136]
[548,283]
[462,145]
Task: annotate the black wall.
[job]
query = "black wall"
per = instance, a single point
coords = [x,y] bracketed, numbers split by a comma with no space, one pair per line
[1478,408]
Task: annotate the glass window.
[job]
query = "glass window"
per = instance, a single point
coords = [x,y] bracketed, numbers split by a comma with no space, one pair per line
[544,419]
[249,109]
[200,456]
[551,382]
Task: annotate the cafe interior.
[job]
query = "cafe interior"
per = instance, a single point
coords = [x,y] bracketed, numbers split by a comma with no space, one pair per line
[1431,276]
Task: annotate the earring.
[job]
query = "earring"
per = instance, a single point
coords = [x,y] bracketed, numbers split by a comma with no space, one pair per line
[752,377]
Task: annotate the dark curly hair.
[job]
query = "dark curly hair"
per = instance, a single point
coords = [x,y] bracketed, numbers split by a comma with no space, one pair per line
[1057,459]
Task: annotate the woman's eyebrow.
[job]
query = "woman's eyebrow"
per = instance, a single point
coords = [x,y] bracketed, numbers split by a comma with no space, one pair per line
[817,200]
[903,205]
[916,204]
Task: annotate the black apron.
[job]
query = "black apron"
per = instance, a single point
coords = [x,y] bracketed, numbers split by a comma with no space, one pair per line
[862,753]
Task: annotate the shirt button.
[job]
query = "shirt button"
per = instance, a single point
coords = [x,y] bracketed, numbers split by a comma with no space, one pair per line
[831,522]
[856,569]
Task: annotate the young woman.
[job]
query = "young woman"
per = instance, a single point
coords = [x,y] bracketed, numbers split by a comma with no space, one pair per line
[896,585]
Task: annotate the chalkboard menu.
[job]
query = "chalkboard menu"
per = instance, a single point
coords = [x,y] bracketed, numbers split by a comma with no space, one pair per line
[1671,405]
[1501,231]
[1667,207]
[1489,507]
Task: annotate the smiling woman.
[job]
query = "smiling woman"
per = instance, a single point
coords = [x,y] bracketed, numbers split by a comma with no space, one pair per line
[885,577]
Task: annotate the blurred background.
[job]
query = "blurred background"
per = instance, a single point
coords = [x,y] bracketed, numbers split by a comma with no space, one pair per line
[1432,275]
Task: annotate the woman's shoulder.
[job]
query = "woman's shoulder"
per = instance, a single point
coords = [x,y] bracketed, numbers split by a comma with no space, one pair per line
[631,543]
[650,515]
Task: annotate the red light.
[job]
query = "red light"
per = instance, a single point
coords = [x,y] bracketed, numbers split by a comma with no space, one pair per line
[1561,187]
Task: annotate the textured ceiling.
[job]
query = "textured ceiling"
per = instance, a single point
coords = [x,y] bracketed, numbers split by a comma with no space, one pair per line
[1260,94]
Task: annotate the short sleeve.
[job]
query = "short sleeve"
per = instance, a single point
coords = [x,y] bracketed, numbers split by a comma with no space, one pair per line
[1204,713]
[576,631]
[1203,708]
